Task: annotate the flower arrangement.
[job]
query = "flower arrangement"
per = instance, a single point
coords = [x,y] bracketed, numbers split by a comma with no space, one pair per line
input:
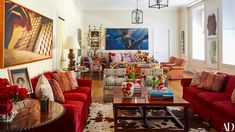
[128,89]
[10,94]
[158,81]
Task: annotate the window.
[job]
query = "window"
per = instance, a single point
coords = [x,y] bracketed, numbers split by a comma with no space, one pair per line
[228,27]
[198,35]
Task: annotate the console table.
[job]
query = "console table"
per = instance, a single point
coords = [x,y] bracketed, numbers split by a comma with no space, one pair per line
[30,116]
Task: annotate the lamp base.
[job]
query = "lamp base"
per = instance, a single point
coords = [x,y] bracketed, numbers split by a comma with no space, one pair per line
[72,62]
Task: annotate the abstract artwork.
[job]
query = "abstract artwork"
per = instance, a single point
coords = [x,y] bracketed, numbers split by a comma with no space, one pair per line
[28,35]
[127,39]
[212,24]
[212,54]
[20,77]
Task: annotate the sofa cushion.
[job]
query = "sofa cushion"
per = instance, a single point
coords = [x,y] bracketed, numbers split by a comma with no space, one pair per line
[218,82]
[63,81]
[230,85]
[75,96]
[110,81]
[115,57]
[58,94]
[82,89]
[193,91]
[208,97]
[196,78]
[224,107]
[72,79]
[119,81]
[203,81]
[126,57]
[43,88]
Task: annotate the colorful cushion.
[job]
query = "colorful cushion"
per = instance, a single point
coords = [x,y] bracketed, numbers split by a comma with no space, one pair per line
[218,82]
[43,88]
[58,94]
[56,76]
[116,57]
[110,81]
[119,81]
[233,96]
[203,80]
[120,72]
[72,79]
[126,57]
[63,81]
[109,72]
[196,78]
[148,80]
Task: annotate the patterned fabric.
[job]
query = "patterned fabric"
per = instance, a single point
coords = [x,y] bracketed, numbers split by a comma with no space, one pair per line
[119,81]
[43,88]
[58,94]
[146,71]
[196,78]
[63,81]
[109,72]
[172,59]
[56,76]
[116,57]
[203,79]
[209,81]
[120,72]
[110,81]
[126,57]
[218,81]
[233,96]
[157,71]
[72,79]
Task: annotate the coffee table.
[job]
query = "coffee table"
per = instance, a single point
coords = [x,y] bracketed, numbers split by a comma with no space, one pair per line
[142,102]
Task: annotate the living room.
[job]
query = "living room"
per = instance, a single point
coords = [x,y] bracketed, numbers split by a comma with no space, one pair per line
[90,51]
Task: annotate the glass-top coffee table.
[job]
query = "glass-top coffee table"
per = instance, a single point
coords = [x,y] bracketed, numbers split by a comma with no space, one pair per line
[144,104]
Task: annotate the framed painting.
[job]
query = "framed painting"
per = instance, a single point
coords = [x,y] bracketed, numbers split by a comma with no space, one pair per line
[212,24]
[20,77]
[213,53]
[80,41]
[127,39]
[28,36]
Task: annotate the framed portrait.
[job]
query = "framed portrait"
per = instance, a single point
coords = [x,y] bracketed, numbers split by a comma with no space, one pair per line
[212,53]
[95,34]
[212,24]
[28,35]
[20,77]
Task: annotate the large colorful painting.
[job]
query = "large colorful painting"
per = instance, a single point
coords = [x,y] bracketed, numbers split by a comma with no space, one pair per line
[213,54]
[127,39]
[28,35]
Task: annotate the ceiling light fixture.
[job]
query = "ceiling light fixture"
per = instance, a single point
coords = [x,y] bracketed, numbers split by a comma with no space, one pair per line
[137,15]
[158,3]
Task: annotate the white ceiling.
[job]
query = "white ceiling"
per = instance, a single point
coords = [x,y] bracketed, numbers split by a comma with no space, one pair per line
[129,4]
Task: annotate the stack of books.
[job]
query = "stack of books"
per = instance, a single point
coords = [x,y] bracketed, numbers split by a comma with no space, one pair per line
[164,93]
[137,88]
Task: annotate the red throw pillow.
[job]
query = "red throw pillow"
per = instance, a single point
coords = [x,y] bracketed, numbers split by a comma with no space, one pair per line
[218,82]
[56,76]
[72,79]
[58,94]
[63,81]
[203,79]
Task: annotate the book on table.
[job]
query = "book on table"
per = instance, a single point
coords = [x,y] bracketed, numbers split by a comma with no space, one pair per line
[164,93]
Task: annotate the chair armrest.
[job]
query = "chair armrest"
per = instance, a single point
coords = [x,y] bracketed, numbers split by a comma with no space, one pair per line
[164,63]
[84,82]
[177,68]
[169,65]
[185,82]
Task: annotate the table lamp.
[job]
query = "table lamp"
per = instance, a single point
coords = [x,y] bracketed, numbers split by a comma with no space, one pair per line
[71,44]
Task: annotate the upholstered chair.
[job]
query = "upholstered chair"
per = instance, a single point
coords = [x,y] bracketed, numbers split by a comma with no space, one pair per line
[171,62]
[175,71]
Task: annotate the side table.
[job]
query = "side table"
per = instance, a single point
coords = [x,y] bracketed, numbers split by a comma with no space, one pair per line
[30,116]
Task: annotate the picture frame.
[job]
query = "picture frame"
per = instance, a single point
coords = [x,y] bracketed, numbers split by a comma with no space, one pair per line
[20,77]
[212,53]
[212,24]
[30,41]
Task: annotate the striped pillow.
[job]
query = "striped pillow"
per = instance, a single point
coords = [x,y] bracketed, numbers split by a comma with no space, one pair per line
[58,94]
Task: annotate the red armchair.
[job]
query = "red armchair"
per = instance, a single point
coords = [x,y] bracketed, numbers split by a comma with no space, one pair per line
[172,60]
[176,70]
[77,104]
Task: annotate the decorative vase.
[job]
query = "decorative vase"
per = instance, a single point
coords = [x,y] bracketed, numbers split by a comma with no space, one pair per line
[128,89]
[8,117]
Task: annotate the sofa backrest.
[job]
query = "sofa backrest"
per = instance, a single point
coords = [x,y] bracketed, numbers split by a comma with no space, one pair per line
[180,62]
[151,72]
[230,85]
[115,72]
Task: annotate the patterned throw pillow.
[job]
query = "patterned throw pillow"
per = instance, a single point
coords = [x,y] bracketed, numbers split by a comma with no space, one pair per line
[58,94]
[119,81]
[233,96]
[196,78]
[72,79]
[63,81]
[43,88]
[109,72]
[126,57]
[110,81]
[218,82]
[116,57]
[56,76]
[203,79]
[120,72]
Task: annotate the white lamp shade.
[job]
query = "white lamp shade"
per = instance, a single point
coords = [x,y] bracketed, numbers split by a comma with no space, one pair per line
[71,43]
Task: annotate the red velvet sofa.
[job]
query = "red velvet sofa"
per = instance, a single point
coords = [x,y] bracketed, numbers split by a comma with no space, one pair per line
[215,108]
[77,104]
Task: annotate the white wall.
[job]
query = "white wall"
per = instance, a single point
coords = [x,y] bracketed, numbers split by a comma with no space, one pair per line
[201,65]
[72,12]
[122,19]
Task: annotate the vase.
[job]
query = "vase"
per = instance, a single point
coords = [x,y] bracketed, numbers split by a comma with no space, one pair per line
[8,117]
[127,91]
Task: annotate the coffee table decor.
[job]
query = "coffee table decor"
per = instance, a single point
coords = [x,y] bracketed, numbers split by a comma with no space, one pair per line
[163,93]
[127,89]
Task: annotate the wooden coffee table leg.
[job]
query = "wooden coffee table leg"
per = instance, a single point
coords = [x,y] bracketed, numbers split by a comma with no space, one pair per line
[115,117]
[186,118]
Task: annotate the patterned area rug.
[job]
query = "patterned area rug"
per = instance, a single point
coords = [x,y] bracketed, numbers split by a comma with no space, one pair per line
[101,119]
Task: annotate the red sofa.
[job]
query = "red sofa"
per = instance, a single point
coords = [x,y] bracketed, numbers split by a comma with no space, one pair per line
[215,108]
[77,104]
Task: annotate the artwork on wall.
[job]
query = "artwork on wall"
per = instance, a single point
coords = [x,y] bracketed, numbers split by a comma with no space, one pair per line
[28,35]
[213,53]
[20,77]
[212,24]
[127,39]
[80,41]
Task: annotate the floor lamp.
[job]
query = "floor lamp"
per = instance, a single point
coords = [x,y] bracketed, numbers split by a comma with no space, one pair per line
[71,44]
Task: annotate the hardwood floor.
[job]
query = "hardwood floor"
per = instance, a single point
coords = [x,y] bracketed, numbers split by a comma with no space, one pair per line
[97,87]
